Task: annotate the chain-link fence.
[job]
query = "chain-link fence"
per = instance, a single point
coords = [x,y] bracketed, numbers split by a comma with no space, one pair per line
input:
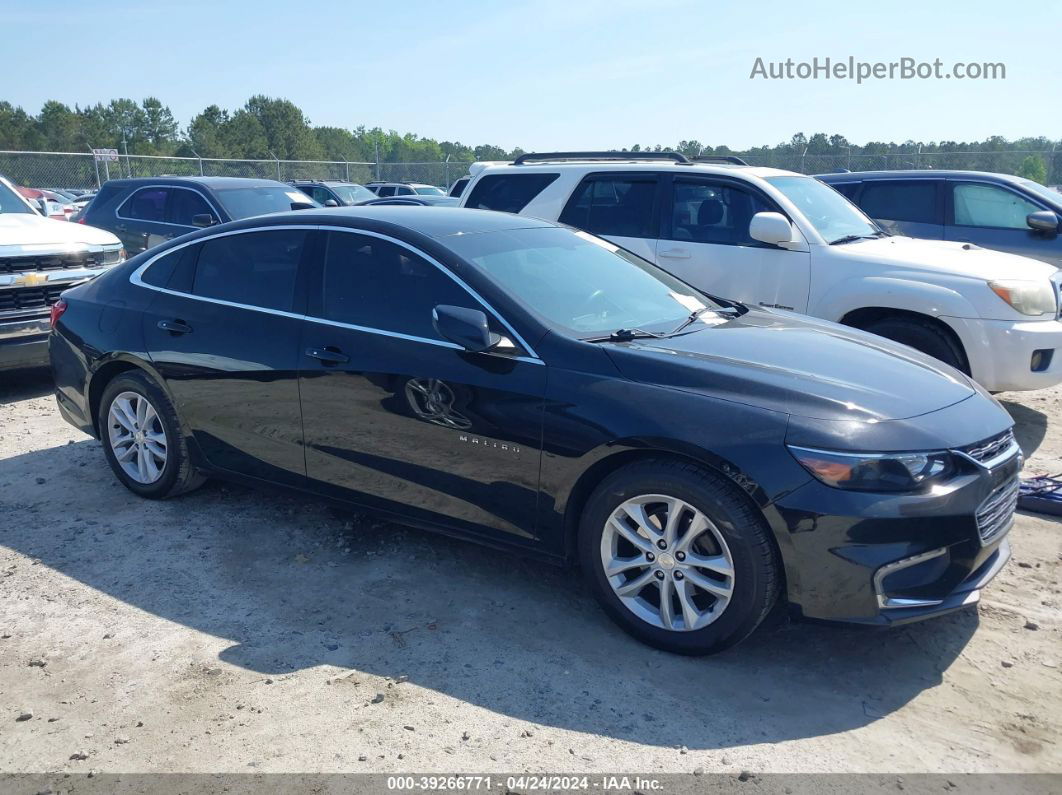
[84,171]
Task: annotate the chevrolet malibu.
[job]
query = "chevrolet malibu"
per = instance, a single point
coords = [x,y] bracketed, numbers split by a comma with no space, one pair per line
[529,386]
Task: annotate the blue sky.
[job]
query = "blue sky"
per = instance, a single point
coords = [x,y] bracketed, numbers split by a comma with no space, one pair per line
[554,74]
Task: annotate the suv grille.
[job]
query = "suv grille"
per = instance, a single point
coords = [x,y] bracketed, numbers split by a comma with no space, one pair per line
[989,448]
[25,298]
[995,514]
[54,262]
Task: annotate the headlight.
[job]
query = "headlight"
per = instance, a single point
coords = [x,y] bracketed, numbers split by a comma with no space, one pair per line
[1029,298]
[876,471]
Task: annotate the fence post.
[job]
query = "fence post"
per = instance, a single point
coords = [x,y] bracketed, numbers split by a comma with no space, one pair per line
[377,145]
[278,164]
[446,173]
[200,159]
[346,170]
[96,163]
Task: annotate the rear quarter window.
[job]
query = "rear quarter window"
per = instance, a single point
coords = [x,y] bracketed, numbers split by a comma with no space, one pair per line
[507,193]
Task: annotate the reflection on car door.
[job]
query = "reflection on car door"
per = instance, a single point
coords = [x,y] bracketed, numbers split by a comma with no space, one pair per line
[905,207]
[994,216]
[622,207]
[395,415]
[705,241]
[223,331]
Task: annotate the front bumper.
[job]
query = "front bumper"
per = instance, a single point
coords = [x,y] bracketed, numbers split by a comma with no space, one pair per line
[1001,352]
[884,559]
[23,342]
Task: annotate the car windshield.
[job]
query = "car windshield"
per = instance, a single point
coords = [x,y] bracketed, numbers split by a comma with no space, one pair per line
[247,202]
[11,202]
[832,215]
[352,194]
[1050,195]
[580,283]
[430,190]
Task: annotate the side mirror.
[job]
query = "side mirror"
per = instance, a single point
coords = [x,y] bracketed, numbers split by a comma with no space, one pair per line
[1042,221]
[331,203]
[466,327]
[41,205]
[773,228]
[203,220]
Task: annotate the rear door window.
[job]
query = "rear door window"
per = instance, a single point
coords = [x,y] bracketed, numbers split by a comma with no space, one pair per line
[622,206]
[912,200]
[147,204]
[386,190]
[507,193]
[255,268]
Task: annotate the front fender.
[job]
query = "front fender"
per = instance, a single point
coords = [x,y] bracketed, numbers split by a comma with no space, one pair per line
[889,292]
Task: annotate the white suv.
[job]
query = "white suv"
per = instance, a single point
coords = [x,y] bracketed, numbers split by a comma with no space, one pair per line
[785,241]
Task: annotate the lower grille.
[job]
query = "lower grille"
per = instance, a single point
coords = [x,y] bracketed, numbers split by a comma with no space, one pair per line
[27,298]
[995,514]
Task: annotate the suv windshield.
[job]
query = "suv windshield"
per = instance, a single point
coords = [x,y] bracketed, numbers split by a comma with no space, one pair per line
[832,215]
[430,190]
[352,194]
[247,202]
[581,283]
[11,202]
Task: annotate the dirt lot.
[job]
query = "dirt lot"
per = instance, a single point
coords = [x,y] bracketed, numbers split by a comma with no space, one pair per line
[234,630]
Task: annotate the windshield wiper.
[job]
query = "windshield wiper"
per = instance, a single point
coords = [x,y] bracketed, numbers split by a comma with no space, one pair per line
[626,335]
[853,238]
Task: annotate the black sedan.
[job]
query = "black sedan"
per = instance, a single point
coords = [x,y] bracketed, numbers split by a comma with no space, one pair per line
[522,384]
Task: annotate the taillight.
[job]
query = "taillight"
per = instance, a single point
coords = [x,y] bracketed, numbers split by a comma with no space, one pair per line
[57,312]
[81,220]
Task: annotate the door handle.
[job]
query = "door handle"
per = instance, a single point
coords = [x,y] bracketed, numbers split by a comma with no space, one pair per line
[175,327]
[328,355]
[675,253]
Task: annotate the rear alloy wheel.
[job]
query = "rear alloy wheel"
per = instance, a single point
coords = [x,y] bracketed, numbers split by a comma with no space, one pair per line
[678,557]
[142,438]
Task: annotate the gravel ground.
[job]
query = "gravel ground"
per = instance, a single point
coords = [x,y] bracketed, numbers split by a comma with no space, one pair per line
[235,630]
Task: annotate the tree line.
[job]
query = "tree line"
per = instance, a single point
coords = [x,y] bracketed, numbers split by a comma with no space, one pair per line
[267,127]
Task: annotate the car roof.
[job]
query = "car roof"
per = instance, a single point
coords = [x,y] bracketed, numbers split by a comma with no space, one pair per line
[586,166]
[433,222]
[921,173]
[214,183]
[322,182]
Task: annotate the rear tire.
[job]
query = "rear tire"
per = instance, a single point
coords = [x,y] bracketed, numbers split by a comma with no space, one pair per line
[922,336]
[142,439]
[717,563]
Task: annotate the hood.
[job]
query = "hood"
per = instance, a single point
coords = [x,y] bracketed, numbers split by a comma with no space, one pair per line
[946,256]
[799,366]
[29,229]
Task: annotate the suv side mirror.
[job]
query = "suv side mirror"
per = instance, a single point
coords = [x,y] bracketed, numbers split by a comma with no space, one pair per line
[203,220]
[466,327]
[331,203]
[773,228]
[1042,221]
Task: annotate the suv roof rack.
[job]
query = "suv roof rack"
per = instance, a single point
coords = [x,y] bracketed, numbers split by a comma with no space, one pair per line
[732,159]
[534,156]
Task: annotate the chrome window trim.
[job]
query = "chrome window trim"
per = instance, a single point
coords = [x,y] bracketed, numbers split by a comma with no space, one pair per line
[136,279]
[128,198]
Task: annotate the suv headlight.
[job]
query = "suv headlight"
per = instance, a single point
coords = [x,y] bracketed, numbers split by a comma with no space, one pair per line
[876,471]
[1029,298]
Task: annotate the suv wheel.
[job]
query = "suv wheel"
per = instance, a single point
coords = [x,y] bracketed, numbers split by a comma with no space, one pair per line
[922,336]
[677,557]
[142,439]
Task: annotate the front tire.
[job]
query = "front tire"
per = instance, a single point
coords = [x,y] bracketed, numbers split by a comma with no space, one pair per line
[677,557]
[142,439]
[922,336]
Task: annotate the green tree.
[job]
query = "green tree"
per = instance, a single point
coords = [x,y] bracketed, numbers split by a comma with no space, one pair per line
[206,134]
[1032,167]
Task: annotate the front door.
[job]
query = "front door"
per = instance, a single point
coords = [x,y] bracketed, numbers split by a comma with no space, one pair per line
[705,242]
[223,331]
[395,416]
[993,216]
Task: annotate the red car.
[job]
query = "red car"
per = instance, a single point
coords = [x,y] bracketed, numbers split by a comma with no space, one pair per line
[51,204]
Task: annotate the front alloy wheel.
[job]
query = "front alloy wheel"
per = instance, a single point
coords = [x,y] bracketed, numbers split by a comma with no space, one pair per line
[667,562]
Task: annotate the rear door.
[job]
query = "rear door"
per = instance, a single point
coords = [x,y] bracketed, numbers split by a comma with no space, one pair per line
[705,241]
[621,207]
[994,216]
[223,331]
[913,207]
[399,418]
[141,219]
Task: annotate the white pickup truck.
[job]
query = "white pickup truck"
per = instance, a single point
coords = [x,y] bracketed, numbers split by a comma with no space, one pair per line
[39,258]
[785,241]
